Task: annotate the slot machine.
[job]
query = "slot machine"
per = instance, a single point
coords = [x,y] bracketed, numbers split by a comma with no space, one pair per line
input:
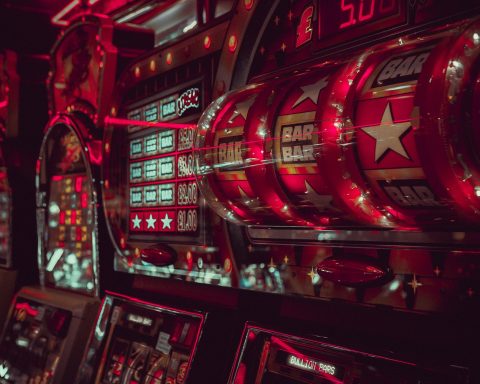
[344,162]
[332,183]
[164,234]
[48,325]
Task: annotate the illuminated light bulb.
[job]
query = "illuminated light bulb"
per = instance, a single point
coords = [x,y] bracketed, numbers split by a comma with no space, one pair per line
[232,43]
[476,38]
[113,111]
[107,147]
[227,265]
[169,59]
[152,65]
[107,184]
[137,71]
[477,191]
[189,256]
[207,42]
[122,242]
[248,4]
[137,252]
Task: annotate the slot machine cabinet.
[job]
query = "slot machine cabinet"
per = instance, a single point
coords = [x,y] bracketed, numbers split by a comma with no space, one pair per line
[136,341]
[288,358]
[84,63]
[148,167]
[163,233]
[358,139]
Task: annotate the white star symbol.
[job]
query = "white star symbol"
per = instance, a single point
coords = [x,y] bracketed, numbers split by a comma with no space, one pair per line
[136,222]
[388,134]
[242,108]
[321,202]
[151,222]
[415,284]
[311,91]
[166,221]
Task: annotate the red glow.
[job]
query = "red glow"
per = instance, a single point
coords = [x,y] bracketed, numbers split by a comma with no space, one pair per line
[232,43]
[27,308]
[169,59]
[78,234]
[73,217]
[3,104]
[84,200]
[61,218]
[78,183]
[126,122]
[95,151]
[207,42]
[248,4]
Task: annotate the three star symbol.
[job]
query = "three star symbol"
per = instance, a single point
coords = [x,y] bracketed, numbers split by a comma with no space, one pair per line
[312,91]
[136,222]
[166,221]
[388,135]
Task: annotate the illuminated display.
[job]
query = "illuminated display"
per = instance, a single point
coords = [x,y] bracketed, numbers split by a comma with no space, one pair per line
[69,248]
[69,253]
[33,342]
[163,194]
[311,364]
[342,15]
[146,343]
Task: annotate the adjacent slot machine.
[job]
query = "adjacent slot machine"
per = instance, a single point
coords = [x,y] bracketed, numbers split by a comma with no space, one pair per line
[48,325]
[157,220]
[344,162]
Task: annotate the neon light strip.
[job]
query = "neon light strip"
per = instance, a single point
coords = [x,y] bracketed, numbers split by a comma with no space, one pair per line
[124,122]
[162,208]
[159,156]
[160,182]
[57,19]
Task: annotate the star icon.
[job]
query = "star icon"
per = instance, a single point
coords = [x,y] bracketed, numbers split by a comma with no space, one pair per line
[321,202]
[415,284]
[388,135]
[312,274]
[290,15]
[242,108]
[286,259]
[151,222]
[166,222]
[283,47]
[136,222]
[312,91]
[437,271]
